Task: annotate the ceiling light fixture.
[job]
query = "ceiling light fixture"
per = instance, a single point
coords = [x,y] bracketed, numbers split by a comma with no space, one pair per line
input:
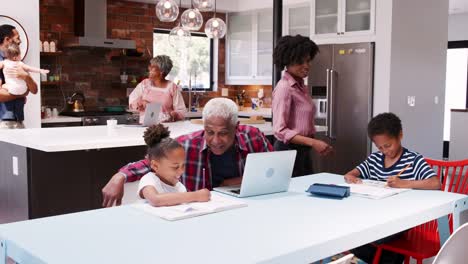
[191,19]
[204,5]
[167,10]
[179,37]
[215,27]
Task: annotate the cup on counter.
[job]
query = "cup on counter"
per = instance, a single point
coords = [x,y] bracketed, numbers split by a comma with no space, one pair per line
[54,112]
[111,124]
[48,113]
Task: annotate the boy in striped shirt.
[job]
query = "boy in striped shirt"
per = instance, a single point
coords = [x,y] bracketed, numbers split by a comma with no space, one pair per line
[398,166]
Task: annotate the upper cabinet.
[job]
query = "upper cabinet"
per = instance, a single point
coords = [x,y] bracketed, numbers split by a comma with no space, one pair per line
[342,18]
[249,47]
[296,19]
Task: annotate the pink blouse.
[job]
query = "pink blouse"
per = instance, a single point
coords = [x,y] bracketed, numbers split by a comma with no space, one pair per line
[293,109]
[170,98]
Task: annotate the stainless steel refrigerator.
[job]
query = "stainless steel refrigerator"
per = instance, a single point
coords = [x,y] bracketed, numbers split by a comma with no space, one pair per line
[341,82]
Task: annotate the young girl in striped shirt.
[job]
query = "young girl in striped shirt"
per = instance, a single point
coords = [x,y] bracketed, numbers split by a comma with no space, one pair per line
[398,166]
[161,186]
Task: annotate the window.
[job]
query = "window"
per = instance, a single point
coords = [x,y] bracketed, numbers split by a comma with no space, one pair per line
[197,59]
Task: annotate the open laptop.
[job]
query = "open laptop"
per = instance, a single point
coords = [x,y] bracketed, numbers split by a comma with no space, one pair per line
[152,112]
[264,173]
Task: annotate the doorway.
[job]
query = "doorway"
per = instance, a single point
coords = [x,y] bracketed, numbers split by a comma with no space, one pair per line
[456,85]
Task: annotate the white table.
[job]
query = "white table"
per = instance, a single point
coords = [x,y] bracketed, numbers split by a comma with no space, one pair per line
[279,228]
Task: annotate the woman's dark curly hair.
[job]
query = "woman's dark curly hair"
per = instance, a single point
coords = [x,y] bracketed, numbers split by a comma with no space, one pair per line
[385,123]
[158,141]
[292,50]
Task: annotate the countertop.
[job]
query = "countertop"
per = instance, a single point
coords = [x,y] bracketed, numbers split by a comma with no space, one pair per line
[60,119]
[246,112]
[94,137]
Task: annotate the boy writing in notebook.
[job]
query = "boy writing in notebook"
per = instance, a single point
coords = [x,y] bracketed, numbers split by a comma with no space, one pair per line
[398,166]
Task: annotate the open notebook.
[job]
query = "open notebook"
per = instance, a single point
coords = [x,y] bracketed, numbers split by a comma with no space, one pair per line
[217,203]
[374,189]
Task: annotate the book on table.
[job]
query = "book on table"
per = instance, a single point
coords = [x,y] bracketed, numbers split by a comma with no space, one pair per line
[217,203]
[374,189]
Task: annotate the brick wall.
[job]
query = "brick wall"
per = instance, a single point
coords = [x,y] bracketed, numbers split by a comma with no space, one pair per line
[96,72]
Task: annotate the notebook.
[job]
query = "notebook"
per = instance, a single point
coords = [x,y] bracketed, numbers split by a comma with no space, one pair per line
[217,203]
[374,189]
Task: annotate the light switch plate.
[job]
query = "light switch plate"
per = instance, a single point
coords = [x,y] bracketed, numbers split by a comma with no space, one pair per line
[15,165]
[224,91]
[411,100]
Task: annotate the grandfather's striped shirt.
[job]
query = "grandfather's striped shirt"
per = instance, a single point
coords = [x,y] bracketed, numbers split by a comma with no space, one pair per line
[373,167]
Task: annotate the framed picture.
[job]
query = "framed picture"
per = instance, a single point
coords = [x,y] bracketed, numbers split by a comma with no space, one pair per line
[22,33]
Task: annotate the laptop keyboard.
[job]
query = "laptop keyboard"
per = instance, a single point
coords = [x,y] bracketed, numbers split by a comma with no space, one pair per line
[236,191]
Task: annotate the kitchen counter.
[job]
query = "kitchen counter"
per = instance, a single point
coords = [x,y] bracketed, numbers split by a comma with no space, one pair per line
[246,112]
[51,171]
[60,119]
[265,112]
[95,137]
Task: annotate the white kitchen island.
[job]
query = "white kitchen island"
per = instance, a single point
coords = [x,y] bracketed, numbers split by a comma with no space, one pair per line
[95,137]
[52,171]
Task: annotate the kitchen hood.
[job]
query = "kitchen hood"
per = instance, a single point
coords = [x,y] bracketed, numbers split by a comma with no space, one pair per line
[90,21]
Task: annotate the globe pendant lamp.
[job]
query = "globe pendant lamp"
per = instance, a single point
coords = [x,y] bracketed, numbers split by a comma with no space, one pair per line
[179,37]
[167,10]
[192,19]
[203,5]
[215,27]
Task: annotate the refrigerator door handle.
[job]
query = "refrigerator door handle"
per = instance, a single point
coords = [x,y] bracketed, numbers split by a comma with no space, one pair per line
[328,103]
[331,105]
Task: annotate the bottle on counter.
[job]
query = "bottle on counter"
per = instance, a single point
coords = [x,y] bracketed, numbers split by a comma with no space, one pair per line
[40,46]
[46,46]
[52,46]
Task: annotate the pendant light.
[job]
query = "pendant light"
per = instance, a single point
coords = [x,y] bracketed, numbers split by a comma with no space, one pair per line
[204,5]
[215,27]
[167,10]
[192,19]
[179,37]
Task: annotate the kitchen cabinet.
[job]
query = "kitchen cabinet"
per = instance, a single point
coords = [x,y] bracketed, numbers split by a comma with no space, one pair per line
[249,47]
[53,183]
[296,19]
[337,19]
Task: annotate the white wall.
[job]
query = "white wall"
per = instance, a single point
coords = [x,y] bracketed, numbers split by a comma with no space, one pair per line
[382,58]
[418,68]
[457,27]
[26,12]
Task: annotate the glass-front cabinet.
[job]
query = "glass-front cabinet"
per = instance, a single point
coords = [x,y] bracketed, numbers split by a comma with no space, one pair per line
[296,19]
[343,17]
[249,47]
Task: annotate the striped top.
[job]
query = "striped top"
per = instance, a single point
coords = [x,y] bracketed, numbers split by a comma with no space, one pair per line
[373,167]
[293,109]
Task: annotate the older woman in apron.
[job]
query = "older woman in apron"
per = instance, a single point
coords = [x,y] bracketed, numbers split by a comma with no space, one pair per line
[157,89]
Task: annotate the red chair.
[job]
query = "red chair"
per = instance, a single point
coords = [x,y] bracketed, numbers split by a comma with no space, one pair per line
[423,241]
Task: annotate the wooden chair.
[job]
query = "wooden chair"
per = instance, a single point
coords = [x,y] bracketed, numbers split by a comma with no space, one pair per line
[423,241]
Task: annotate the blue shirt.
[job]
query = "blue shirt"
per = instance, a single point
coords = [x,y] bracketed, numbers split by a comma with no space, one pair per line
[2,105]
[373,168]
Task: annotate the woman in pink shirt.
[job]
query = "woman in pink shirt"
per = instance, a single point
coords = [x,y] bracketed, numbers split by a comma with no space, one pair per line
[293,109]
[157,89]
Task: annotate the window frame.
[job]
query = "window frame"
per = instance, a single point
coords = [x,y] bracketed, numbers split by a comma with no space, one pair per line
[198,34]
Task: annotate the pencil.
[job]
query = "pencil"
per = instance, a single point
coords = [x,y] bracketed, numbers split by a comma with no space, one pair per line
[403,170]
